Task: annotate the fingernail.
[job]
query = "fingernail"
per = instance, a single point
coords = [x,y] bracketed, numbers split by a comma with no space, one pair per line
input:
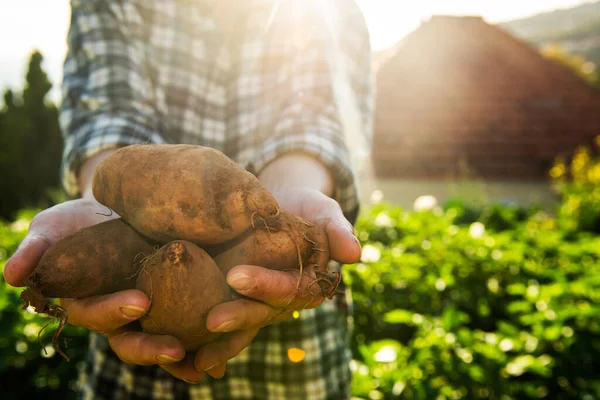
[165,359]
[192,382]
[224,327]
[241,281]
[211,367]
[219,376]
[132,311]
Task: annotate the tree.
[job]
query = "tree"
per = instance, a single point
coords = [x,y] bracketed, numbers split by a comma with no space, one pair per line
[578,64]
[30,144]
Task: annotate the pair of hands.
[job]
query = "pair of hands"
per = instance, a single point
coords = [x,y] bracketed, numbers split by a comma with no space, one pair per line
[266,292]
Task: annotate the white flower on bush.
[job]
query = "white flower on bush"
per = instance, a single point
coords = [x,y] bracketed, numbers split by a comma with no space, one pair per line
[567,331]
[477,230]
[493,285]
[386,354]
[506,345]
[31,330]
[424,203]
[384,220]
[440,285]
[376,196]
[464,354]
[491,338]
[518,365]
[531,343]
[370,253]
[21,347]
[398,388]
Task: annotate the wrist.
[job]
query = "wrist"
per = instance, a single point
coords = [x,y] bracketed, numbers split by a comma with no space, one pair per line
[297,169]
[86,173]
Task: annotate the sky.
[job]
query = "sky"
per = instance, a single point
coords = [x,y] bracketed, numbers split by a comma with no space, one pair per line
[43,25]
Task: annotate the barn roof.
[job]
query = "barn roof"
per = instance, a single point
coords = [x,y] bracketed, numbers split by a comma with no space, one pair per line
[459,90]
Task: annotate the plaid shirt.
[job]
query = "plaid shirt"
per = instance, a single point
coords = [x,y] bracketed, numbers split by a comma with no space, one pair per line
[253,79]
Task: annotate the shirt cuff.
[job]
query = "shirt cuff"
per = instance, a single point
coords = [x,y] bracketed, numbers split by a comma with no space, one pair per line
[100,134]
[332,155]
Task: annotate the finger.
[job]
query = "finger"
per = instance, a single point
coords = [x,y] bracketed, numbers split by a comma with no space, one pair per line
[24,260]
[223,349]
[145,349]
[343,245]
[243,314]
[185,370]
[218,371]
[45,229]
[108,312]
[279,289]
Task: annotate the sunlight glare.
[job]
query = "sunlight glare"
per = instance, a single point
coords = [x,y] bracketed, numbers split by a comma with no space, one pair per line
[389,20]
[43,25]
[32,24]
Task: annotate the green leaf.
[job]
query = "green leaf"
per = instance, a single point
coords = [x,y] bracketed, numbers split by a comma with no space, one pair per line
[398,316]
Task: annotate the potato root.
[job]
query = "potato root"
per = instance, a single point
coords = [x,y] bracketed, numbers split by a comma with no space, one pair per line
[285,242]
[183,284]
[42,305]
[181,192]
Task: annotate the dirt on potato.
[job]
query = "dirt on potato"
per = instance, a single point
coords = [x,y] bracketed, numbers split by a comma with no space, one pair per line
[183,284]
[182,192]
[96,260]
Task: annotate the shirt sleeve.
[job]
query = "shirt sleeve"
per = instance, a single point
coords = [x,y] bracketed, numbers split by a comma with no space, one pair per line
[293,60]
[108,98]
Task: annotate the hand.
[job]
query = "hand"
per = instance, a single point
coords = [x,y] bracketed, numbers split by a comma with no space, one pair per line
[267,291]
[111,314]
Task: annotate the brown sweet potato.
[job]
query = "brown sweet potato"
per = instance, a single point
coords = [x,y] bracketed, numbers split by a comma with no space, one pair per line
[183,284]
[96,260]
[99,259]
[181,192]
[285,242]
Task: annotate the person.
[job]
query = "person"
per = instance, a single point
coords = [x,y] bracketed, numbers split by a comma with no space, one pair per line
[255,80]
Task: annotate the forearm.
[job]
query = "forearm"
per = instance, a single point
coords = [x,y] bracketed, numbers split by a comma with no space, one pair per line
[105,51]
[297,169]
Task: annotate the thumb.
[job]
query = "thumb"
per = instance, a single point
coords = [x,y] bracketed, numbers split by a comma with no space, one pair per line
[24,260]
[343,244]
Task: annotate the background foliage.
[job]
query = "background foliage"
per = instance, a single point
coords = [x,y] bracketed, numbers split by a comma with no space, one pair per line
[498,302]
[26,370]
[30,145]
[581,67]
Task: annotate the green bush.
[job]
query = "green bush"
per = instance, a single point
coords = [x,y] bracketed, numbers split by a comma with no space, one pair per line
[578,183]
[447,307]
[28,370]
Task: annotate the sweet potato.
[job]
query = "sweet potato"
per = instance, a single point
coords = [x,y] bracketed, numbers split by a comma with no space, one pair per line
[99,259]
[96,260]
[181,192]
[183,284]
[285,242]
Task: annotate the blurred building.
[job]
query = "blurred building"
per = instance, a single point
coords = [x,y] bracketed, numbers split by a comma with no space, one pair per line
[465,109]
